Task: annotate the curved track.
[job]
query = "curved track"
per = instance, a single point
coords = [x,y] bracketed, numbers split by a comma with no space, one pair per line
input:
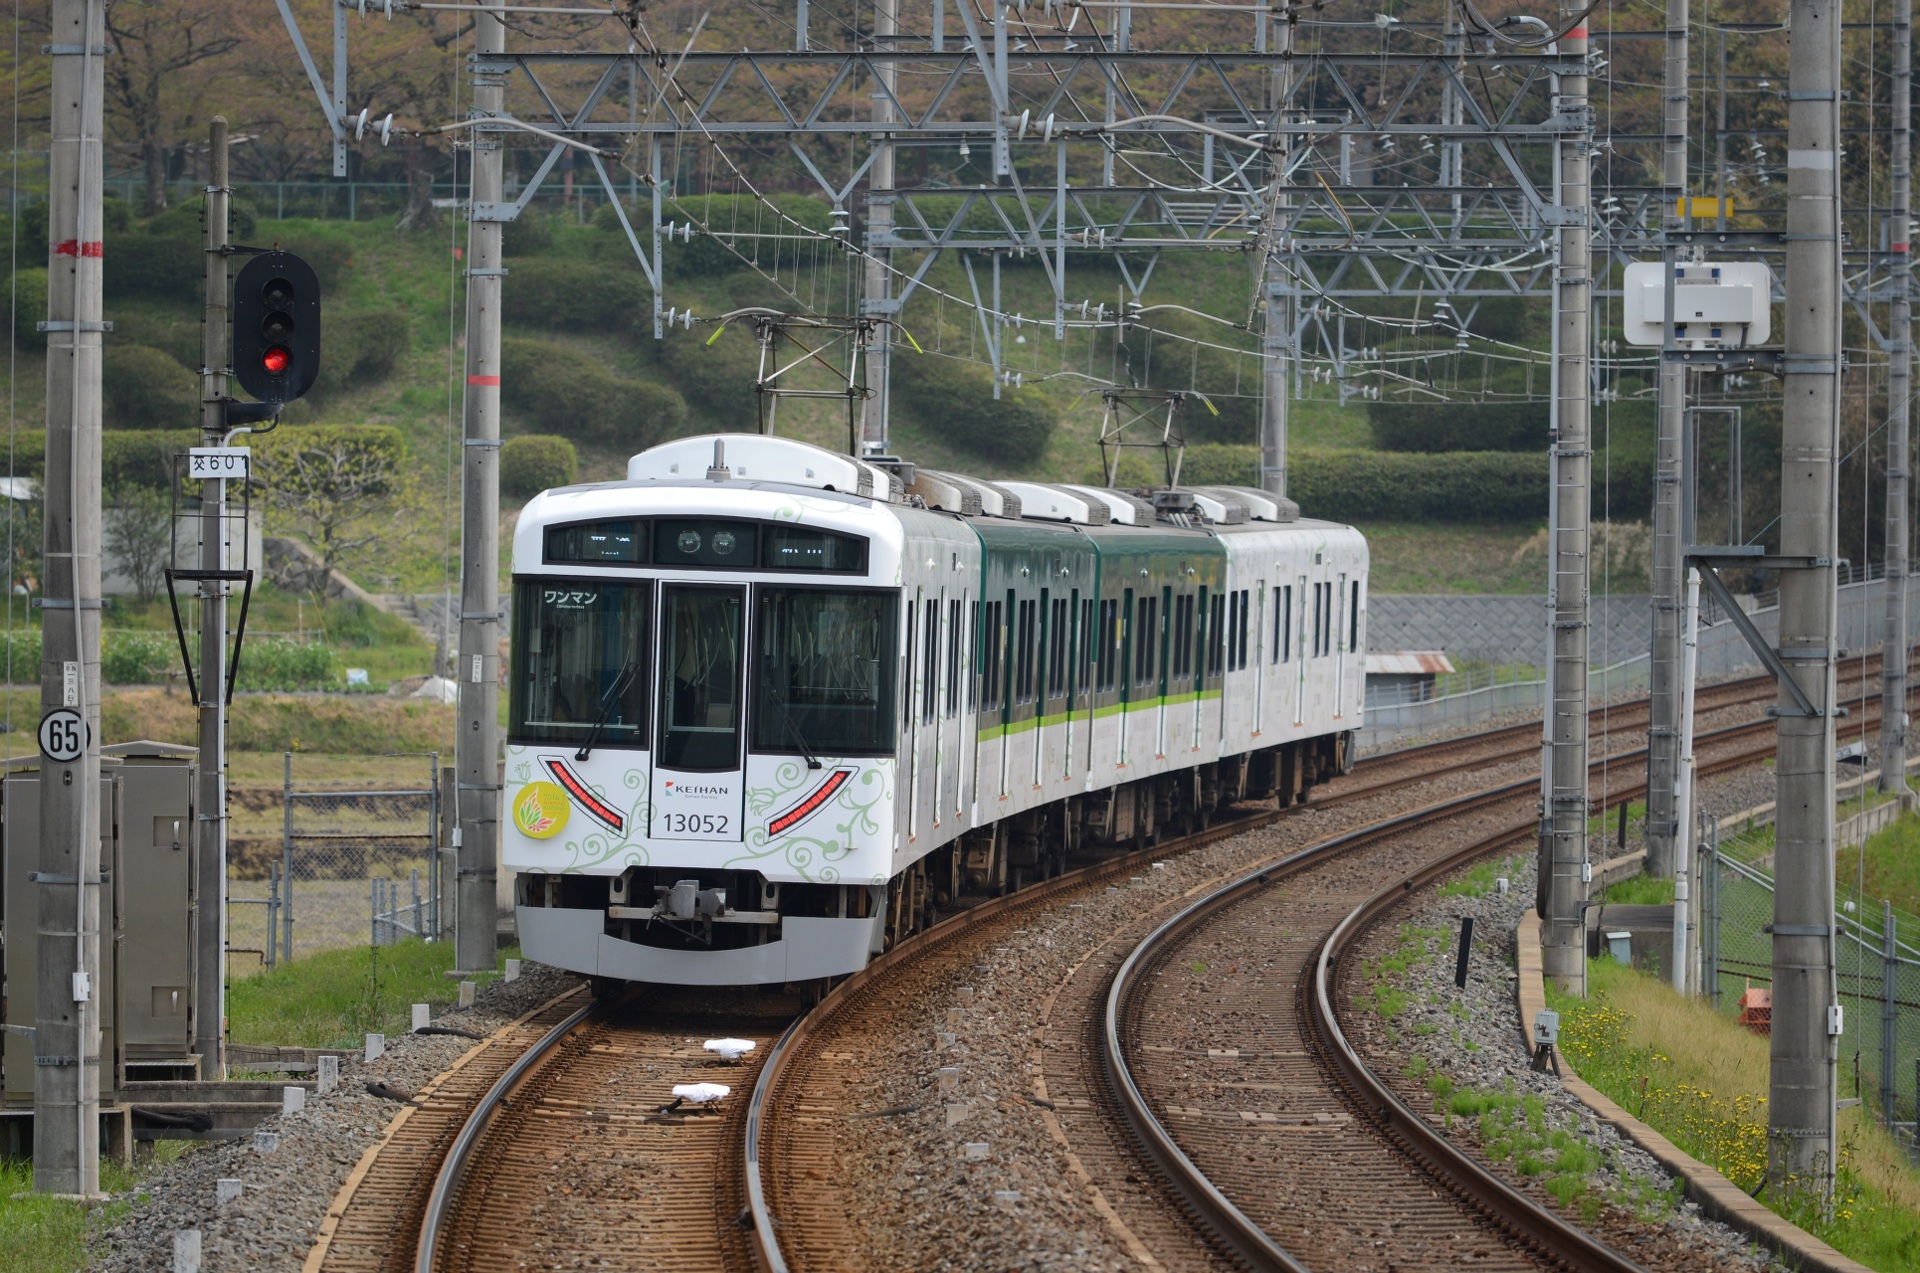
[578,1157]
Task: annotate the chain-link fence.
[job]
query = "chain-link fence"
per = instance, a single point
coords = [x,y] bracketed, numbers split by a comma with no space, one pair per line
[359,856]
[1878,972]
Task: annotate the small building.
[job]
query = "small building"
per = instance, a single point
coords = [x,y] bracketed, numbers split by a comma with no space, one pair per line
[1403,676]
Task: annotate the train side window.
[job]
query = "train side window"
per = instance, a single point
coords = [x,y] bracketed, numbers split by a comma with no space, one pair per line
[1326,636]
[1023,662]
[1057,649]
[973,677]
[1283,623]
[908,653]
[953,659]
[1183,635]
[1353,619]
[1090,644]
[1240,628]
[1144,631]
[1319,605]
[1108,639]
[930,640]
[990,658]
[1217,636]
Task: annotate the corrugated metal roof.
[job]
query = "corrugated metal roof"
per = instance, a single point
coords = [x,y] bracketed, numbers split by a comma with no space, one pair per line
[1407,663]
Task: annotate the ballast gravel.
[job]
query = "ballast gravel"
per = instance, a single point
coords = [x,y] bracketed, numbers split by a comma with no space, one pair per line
[285,1192]
[1474,1040]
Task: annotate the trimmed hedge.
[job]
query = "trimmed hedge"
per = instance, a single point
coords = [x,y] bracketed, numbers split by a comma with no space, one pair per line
[132,656]
[127,458]
[955,400]
[146,388]
[561,390]
[364,348]
[572,295]
[1460,486]
[1458,426]
[536,462]
[29,308]
[177,333]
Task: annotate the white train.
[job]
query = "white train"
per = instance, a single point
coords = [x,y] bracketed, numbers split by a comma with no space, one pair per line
[771,709]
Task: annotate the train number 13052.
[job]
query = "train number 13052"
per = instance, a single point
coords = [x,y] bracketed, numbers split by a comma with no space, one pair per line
[693,823]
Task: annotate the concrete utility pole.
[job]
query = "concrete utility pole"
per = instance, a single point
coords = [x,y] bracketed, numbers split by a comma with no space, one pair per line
[67,1059]
[1663,750]
[210,934]
[1277,336]
[1893,658]
[478,748]
[1801,1094]
[1563,848]
[877,299]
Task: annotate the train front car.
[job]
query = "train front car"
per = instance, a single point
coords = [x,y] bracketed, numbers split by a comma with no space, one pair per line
[703,713]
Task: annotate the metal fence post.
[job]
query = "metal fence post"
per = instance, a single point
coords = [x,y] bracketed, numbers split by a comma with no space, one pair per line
[1710,930]
[433,850]
[419,916]
[1889,1010]
[286,861]
[273,913]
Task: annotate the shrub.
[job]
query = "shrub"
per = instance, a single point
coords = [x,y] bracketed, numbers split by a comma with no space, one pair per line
[365,347]
[1460,486]
[1458,426]
[137,658]
[279,664]
[536,462]
[576,295]
[566,391]
[137,457]
[29,307]
[718,376]
[955,400]
[527,234]
[176,333]
[144,388]
[185,217]
[20,650]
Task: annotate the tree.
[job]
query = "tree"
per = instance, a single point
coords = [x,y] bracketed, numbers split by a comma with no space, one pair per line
[139,533]
[154,45]
[341,486]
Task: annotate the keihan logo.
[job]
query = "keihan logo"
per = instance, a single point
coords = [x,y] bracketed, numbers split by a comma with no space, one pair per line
[694,789]
[541,809]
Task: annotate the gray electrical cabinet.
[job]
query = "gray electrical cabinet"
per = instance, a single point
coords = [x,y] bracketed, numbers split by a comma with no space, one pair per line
[147,853]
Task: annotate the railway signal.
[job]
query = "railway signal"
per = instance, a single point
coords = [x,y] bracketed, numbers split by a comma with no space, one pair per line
[276,327]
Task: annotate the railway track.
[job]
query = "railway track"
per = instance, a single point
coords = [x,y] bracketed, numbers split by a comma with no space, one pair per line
[813,1229]
[579,1156]
[1181,1076]
[546,1152]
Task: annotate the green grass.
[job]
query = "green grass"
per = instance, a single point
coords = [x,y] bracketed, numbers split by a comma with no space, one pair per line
[1701,1080]
[1479,881]
[334,999]
[1891,865]
[1641,890]
[1422,558]
[48,1235]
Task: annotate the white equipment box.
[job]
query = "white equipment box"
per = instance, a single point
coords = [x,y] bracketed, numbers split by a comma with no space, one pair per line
[1726,306]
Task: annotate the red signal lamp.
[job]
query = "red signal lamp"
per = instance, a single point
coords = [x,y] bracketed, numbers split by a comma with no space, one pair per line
[276,360]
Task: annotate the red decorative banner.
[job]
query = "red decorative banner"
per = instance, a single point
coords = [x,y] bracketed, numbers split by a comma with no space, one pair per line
[600,810]
[811,805]
[74,247]
[492,381]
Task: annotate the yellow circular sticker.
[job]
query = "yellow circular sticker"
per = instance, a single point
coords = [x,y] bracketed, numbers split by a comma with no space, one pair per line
[541,809]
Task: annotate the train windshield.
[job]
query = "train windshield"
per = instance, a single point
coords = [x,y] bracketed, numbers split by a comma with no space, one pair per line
[582,655]
[823,672]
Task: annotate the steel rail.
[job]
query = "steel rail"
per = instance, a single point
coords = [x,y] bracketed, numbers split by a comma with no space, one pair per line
[1228,1223]
[1234,1229]
[454,1167]
[1570,1243]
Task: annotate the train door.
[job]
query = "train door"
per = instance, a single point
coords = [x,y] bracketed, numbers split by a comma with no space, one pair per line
[698,784]
[910,671]
[1076,682]
[1042,687]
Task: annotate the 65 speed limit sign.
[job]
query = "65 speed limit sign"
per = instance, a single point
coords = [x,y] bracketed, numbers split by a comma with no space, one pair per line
[63,735]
